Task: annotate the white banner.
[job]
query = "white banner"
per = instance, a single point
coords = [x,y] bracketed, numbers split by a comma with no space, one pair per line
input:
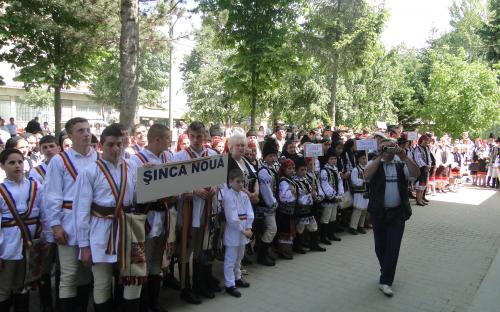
[412,136]
[366,145]
[382,125]
[313,150]
[161,181]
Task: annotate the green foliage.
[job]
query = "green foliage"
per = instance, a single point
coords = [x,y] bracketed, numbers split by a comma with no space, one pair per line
[53,43]
[38,97]
[262,36]
[490,33]
[461,95]
[153,78]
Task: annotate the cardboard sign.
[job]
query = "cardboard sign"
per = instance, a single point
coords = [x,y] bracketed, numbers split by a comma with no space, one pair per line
[382,125]
[314,150]
[412,136]
[366,145]
[170,179]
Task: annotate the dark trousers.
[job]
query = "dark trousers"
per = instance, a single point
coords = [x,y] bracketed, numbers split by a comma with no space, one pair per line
[388,231]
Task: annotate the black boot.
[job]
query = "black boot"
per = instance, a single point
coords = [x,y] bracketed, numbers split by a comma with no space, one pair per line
[117,295]
[297,245]
[21,302]
[331,232]
[68,304]
[143,300]
[154,283]
[493,182]
[262,257]
[169,281]
[213,282]
[204,281]
[45,291]
[82,295]
[5,305]
[323,230]
[104,307]
[313,243]
[132,305]
[488,179]
[187,294]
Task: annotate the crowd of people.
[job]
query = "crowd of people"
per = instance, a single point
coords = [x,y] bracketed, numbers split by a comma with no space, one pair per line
[67,207]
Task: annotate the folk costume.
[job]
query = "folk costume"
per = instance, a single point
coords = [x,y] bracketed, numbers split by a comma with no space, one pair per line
[109,224]
[160,229]
[200,242]
[60,188]
[359,189]
[288,194]
[19,225]
[266,208]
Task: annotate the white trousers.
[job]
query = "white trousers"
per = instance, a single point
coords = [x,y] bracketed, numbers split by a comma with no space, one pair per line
[73,273]
[357,218]
[492,171]
[270,229]
[329,213]
[312,226]
[232,263]
[103,277]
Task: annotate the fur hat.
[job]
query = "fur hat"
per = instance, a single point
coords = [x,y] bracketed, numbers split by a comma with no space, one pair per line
[330,152]
[269,147]
[300,162]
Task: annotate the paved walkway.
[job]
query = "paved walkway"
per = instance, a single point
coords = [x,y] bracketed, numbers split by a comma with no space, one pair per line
[447,250]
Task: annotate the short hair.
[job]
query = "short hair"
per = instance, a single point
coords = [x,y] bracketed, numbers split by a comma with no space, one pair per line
[48,139]
[157,131]
[119,125]
[235,173]
[72,122]
[62,135]
[111,131]
[12,142]
[4,155]
[233,140]
[135,127]
[197,126]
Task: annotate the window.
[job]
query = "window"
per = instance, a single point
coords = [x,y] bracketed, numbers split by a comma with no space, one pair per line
[5,107]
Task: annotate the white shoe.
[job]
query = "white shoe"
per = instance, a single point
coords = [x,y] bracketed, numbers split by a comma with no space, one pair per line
[386,290]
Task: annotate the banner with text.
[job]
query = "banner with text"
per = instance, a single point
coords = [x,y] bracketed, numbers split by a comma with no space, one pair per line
[313,150]
[161,181]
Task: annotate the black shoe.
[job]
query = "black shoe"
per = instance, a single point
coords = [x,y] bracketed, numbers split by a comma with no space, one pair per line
[233,292]
[21,302]
[298,249]
[331,232]
[419,204]
[285,256]
[83,295]
[103,307]
[323,228]
[352,231]
[45,291]
[5,305]
[313,242]
[132,305]
[425,200]
[262,255]
[68,304]
[154,293]
[213,283]
[242,284]
[361,230]
[188,296]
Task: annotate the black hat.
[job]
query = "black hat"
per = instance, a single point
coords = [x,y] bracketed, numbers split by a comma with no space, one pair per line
[359,154]
[215,130]
[498,140]
[402,141]
[492,136]
[269,147]
[300,162]
[251,133]
[330,152]
[278,128]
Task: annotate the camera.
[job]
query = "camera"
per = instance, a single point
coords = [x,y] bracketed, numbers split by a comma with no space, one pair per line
[389,149]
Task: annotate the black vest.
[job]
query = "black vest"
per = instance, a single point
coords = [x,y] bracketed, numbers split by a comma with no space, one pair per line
[377,192]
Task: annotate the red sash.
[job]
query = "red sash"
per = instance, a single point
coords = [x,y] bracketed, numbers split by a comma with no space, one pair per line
[118,219]
[69,165]
[41,171]
[20,219]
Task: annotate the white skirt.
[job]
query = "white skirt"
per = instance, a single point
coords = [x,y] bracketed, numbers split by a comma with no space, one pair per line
[359,202]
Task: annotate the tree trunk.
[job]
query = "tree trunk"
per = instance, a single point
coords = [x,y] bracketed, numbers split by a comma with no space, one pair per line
[333,95]
[129,61]
[57,109]
[254,97]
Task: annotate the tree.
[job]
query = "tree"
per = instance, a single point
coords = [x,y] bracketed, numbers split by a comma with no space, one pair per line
[261,33]
[490,33]
[38,97]
[461,93]
[54,43]
[129,61]
[153,79]
[205,73]
[341,35]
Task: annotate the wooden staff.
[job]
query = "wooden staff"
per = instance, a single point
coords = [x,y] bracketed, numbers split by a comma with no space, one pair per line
[187,211]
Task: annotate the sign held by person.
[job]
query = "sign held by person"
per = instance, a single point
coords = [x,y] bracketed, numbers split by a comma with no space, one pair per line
[366,145]
[412,136]
[313,150]
[170,179]
[382,125]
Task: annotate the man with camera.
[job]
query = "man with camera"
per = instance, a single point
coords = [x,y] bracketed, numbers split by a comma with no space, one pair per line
[389,205]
